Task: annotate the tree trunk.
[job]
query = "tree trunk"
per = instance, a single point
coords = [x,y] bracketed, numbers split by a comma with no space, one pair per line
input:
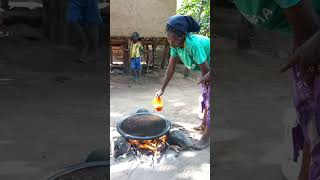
[201,10]
[207,30]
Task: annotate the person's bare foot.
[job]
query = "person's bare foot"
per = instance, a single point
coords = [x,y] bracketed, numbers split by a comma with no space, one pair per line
[200,115]
[204,141]
[201,144]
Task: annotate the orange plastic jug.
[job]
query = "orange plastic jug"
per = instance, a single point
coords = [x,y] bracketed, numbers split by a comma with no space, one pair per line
[157,104]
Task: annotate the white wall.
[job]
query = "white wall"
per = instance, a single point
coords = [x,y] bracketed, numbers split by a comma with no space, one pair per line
[148,17]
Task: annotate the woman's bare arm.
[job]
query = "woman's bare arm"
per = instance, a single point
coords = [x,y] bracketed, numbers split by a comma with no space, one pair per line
[169,73]
[302,20]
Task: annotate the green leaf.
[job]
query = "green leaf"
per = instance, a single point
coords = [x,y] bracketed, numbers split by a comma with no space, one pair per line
[192,8]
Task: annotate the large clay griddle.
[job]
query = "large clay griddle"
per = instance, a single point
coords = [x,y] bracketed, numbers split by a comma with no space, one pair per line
[143,126]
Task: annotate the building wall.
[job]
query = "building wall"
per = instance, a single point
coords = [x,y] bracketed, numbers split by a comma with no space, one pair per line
[148,17]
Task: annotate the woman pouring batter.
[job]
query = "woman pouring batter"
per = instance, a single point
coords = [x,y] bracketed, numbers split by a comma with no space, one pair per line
[194,51]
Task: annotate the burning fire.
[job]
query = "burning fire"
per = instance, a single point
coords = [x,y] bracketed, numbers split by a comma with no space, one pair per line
[152,146]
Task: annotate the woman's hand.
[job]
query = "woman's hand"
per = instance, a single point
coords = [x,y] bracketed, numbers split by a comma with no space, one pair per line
[305,40]
[159,93]
[205,79]
[307,57]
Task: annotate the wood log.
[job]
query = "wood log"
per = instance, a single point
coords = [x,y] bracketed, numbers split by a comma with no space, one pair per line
[126,64]
[148,59]
[154,47]
[165,56]
[144,53]
[111,55]
[116,40]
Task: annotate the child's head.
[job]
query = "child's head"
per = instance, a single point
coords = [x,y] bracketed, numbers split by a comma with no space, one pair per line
[135,36]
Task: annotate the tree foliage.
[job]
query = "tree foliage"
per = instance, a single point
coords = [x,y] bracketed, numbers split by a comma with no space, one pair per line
[200,11]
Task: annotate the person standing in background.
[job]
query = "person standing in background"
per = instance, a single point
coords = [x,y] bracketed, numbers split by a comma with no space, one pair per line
[85,20]
[136,50]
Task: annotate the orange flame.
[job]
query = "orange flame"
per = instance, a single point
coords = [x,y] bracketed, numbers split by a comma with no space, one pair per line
[153,146]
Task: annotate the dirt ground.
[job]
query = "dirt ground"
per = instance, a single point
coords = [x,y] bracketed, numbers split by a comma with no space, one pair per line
[52,109]
[180,105]
[253,106]
[254,110]
[180,97]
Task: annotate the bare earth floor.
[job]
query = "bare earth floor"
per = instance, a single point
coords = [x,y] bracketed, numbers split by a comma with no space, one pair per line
[52,109]
[253,106]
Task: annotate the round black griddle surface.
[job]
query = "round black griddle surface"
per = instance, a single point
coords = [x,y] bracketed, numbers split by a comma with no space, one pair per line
[143,126]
